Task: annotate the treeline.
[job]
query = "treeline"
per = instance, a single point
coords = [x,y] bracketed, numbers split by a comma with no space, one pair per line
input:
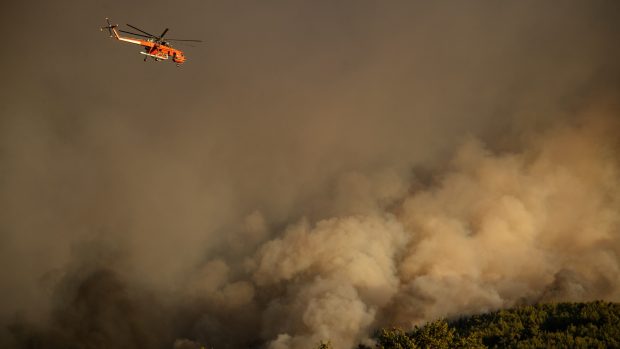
[560,325]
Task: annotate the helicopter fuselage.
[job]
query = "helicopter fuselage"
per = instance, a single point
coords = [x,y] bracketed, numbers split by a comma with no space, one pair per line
[157,51]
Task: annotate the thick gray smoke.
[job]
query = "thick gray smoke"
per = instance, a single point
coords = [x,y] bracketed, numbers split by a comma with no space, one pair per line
[318,170]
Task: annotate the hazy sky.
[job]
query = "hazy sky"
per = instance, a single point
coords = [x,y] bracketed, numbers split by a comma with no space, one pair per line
[306,149]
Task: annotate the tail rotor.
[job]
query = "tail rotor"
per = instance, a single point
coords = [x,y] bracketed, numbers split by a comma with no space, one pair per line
[109,27]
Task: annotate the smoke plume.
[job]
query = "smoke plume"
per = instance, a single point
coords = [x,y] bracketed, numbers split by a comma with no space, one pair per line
[495,230]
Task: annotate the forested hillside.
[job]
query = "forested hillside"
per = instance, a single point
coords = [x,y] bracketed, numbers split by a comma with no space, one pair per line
[561,325]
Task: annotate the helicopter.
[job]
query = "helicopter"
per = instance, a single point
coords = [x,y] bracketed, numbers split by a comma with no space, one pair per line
[155,46]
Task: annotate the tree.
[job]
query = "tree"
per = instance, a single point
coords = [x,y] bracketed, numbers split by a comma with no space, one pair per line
[325,345]
[435,335]
[394,338]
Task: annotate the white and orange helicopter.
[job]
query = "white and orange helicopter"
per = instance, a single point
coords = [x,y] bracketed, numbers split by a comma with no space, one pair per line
[154,46]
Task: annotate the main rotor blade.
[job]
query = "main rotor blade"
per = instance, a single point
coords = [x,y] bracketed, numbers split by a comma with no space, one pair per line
[142,31]
[184,40]
[184,44]
[162,34]
[136,34]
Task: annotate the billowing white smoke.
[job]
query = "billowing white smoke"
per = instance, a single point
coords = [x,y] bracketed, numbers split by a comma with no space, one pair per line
[490,229]
[495,230]
[338,275]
